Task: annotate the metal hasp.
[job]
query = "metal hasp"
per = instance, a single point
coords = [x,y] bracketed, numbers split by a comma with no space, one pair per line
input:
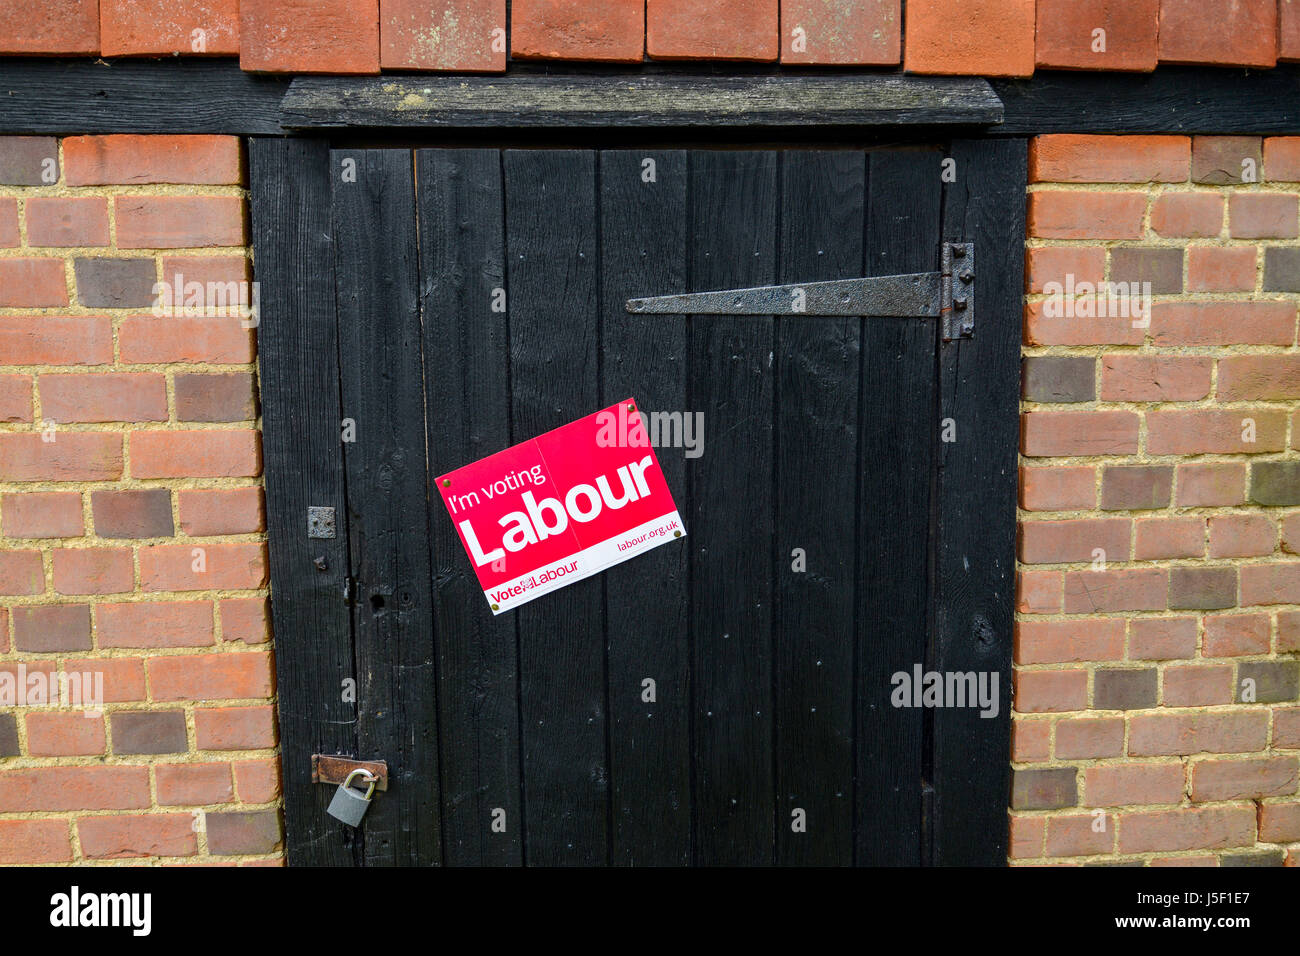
[948,295]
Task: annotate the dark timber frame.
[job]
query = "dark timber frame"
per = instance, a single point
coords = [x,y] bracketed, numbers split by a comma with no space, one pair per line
[300,347]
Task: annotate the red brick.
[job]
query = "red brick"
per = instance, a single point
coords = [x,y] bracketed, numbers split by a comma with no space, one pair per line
[175,222]
[9,236]
[1162,638]
[1061,542]
[1216,269]
[1086,215]
[21,572]
[1241,536]
[1063,642]
[1235,635]
[135,513]
[124,837]
[1225,160]
[245,619]
[1197,685]
[1187,215]
[1079,158]
[123,677]
[42,514]
[845,32]
[43,629]
[64,735]
[50,340]
[1214,780]
[33,283]
[726,30]
[196,454]
[15,398]
[1279,823]
[1158,538]
[1288,632]
[1270,583]
[1214,431]
[109,397]
[57,26]
[1263,216]
[1211,485]
[1221,32]
[1133,784]
[1031,740]
[983,37]
[29,160]
[220,397]
[1058,434]
[243,832]
[194,784]
[454,35]
[1058,489]
[1286,728]
[258,781]
[93,571]
[52,789]
[1089,592]
[1282,153]
[1155,378]
[1223,323]
[1065,37]
[226,567]
[234,676]
[141,27]
[145,624]
[1186,828]
[1044,264]
[219,340]
[613,31]
[1038,592]
[64,221]
[1259,378]
[1026,838]
[1042,328]
[34,841]
[309,36]
[72,456]
[1075,834]
[234,728]
[221,511]
[123,159]
[1180,734]
[1039,692]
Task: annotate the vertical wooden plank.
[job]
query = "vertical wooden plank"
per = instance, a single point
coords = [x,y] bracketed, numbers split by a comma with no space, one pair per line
[975,557]
[898,424]
[383,393]
[552,243]
[816,371]
[643,252]
[298,371]
[733,198]
[467,374]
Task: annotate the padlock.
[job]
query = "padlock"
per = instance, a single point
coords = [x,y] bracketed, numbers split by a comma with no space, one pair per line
[351,805]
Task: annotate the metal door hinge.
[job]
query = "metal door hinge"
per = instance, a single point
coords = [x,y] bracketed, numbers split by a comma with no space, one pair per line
[948,295]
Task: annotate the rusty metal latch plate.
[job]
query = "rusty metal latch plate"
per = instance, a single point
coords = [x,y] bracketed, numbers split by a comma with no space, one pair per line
[334,768]
[948,295]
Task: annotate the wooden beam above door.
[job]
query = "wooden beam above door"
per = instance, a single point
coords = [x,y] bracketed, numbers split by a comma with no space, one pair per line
[836,100]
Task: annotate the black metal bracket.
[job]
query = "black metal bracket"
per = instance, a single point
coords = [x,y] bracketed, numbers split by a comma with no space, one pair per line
[948,295]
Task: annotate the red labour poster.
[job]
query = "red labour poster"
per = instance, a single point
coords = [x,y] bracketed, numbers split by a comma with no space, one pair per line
[561,507]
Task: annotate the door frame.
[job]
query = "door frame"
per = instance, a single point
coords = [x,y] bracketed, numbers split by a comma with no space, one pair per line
[966,770]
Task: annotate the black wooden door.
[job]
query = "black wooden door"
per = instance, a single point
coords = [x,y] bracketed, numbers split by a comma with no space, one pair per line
[726,700]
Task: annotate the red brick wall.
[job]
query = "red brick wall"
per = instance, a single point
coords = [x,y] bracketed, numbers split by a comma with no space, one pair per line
[131,518]
[1157,651]
[981,37]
